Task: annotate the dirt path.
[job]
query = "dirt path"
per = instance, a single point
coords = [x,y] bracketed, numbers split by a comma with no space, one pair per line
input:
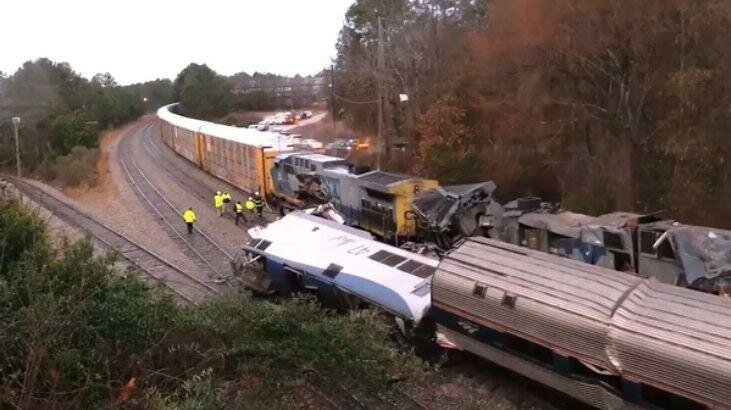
[113,202]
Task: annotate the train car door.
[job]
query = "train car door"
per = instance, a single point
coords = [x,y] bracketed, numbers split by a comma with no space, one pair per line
[199,149]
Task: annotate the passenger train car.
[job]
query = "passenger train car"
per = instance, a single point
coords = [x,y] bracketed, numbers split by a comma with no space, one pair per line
[343,264]
[604,337]
[607,338]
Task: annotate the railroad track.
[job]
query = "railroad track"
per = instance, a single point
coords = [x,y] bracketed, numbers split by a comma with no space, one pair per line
[338,397]
[183,284]
[185,179]
[210,256]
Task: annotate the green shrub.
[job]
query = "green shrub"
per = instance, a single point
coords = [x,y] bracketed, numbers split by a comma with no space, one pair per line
[71,130]
[77,332]
[72,170]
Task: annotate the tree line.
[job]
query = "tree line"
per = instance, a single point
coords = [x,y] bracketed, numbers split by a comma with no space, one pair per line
[600,104]
[61,111]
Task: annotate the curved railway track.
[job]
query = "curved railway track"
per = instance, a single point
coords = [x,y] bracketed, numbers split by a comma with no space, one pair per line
[183,284]
[210,256]
[184,178]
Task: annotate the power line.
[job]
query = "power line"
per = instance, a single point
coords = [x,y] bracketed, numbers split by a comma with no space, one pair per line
[348,100]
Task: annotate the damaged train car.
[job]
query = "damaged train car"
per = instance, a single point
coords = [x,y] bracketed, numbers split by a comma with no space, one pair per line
[607,338]
[673,253]
[447,214]
[344,265]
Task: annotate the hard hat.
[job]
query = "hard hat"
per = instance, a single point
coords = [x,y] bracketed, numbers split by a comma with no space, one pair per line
[218,192]
[256,193]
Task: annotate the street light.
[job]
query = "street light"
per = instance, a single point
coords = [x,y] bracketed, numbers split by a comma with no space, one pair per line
[16,122]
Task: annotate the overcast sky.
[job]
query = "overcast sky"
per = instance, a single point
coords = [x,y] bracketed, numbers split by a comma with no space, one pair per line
[138,40]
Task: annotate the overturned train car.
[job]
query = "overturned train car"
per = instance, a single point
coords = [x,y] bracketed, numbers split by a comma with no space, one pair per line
[607,338]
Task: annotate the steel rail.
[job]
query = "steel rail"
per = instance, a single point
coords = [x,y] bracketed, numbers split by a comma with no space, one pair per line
[107,235]
[129,165]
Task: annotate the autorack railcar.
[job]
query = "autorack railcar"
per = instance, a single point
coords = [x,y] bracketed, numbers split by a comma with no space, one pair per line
[240,156]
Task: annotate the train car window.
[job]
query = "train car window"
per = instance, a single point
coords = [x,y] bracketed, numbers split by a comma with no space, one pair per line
[332,271]
[289,169]
[665,250]
[387,258]
[416,268]
[380,255]
[252,243]
[383,196]
[263,244]
[479,290]
[509,300]
[306,164]
[313,168]
[647,239]
[613,240]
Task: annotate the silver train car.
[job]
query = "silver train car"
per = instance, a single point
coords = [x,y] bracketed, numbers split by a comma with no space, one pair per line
[607,338]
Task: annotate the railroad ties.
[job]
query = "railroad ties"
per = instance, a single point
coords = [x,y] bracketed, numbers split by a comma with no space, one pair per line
[188,180]
[186,286]
[208,255]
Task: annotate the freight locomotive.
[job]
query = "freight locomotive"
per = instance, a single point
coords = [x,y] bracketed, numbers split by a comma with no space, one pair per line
[607,338]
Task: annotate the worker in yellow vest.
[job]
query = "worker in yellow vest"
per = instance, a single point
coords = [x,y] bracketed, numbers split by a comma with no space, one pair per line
[258,203]
[250,205]
[226,199]
[189,218]
[239,209]
[218,202]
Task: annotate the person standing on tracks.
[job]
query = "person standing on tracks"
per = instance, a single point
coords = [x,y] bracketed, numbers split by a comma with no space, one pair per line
[189,218]
[218,202]
[258,203]
[239,209]
[226,199]
[250,205]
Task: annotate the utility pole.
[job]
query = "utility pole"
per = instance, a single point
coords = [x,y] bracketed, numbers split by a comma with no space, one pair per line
[332,97]
[16,122]
[380,145]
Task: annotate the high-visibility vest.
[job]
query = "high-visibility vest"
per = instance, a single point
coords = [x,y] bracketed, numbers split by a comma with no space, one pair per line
[226,197]
[239,208]
[258,202]
[218,200]
[189,216]
[250,205]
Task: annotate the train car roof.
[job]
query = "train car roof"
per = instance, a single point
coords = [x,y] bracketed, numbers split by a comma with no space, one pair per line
[321,158]
[388,277]
[637,326]
[271,141]
[378,179]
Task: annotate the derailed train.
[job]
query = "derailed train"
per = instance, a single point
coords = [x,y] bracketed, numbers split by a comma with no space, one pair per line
[397,207]
[607,338]
[271,163]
